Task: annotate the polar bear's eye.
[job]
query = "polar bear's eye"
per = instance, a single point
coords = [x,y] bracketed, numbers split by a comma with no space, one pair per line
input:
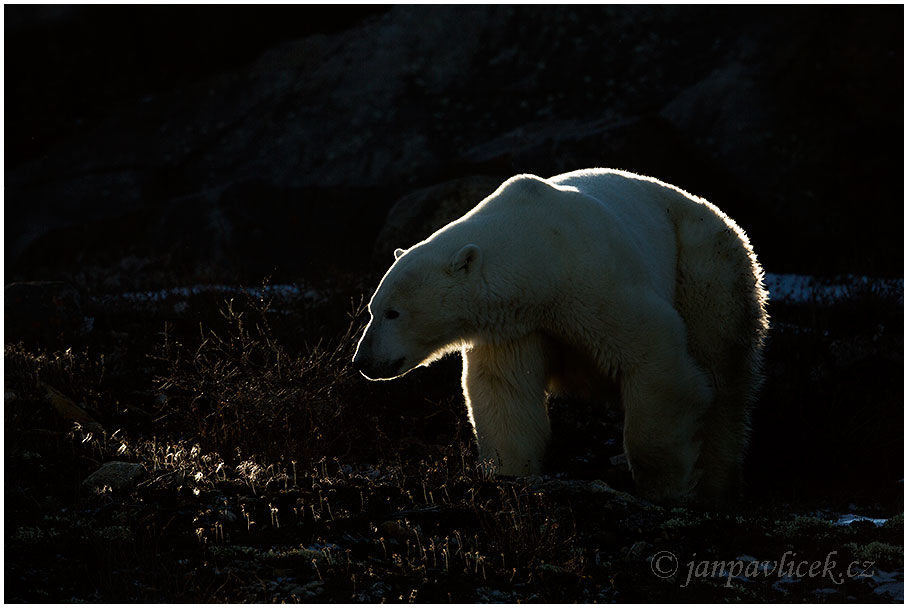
[391,314]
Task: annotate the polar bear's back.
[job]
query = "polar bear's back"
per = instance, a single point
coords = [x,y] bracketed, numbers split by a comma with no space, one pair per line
[596,229]
[640,199]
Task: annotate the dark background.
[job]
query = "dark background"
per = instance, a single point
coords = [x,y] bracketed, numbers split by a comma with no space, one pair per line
[159,146]
[209,148]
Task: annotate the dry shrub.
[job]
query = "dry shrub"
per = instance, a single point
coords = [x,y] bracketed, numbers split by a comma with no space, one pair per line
[238,390]
[79,374]
[524,527]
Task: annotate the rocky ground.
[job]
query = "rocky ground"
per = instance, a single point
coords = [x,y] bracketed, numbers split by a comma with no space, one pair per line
[183,450]
[171,436]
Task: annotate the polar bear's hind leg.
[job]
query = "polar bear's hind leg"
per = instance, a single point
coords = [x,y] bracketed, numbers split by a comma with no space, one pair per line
[720,295]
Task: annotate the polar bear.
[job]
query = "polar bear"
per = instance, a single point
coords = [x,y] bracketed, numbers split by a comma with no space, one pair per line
[586,281]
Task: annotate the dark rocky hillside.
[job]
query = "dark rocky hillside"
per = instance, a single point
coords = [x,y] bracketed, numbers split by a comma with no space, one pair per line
[198,200]
[148,146]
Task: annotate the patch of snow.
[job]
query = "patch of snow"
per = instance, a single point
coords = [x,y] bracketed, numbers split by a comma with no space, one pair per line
[847,519]
[788,287]
[279,294]
[844,520]
[783,287]
[287,291]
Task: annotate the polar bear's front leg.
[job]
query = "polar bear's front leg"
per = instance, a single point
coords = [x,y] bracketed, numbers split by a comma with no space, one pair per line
[504,386]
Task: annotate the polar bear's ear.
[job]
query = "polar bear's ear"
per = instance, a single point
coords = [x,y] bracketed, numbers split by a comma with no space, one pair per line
[465,260]
[398,253]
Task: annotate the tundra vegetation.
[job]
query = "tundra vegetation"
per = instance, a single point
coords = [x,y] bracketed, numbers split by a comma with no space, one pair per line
[265,469]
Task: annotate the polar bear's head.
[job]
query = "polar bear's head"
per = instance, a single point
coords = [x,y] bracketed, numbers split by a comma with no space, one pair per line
[421,309]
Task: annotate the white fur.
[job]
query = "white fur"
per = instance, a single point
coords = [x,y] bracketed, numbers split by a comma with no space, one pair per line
[576,284]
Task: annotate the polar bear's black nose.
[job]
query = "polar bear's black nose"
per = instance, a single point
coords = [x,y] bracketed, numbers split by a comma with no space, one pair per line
[359,362]
[375,371]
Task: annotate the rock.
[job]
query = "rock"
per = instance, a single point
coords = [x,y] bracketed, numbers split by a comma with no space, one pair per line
[116,475]
[420,213]
[765,119]
[69,410]
[619,460]
[226,515]
[582,487]
[720,110]
[639,550]
[393,529]
[650,145]
[46,312]
[293,156]
[321,112]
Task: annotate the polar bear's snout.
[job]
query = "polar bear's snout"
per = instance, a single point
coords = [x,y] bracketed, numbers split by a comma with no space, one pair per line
[371,364]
